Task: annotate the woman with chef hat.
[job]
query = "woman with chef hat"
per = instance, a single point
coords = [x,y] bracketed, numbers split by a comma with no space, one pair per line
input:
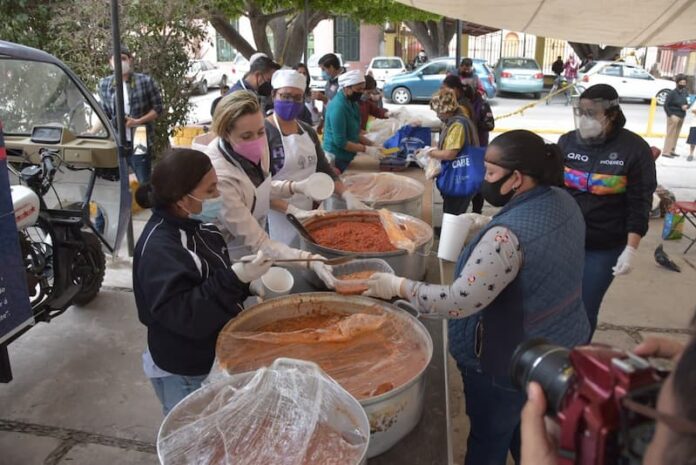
[296,157]
[241,160]
[342,138]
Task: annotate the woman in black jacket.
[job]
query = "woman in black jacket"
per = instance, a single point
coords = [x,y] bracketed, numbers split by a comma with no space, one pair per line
[610,172]
[186,289]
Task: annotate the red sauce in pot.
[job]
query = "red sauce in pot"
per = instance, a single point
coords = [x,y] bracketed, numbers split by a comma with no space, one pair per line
[354,236]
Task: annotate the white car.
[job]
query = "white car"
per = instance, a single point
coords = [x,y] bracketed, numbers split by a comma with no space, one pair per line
[240,66]
[382,68]
[630,81]
[203,74]
[317,79]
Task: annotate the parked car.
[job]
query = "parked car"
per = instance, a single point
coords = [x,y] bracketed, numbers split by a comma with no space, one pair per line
[630,81]
[382,68]
[421,83]
[240,66]
[203,74]
[519,76]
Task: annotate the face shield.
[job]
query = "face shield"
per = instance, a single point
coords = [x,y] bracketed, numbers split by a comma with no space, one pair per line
[590,119]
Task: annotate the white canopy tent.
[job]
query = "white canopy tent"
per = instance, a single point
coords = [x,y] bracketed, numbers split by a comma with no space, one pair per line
[625,23]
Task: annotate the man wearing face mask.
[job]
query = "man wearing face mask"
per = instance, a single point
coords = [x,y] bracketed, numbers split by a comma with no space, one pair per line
[610,172]
[330,70]
[142,106]
[258,80]
[420,59]
[515,280]
[675,107]
[342,137]
[468,76]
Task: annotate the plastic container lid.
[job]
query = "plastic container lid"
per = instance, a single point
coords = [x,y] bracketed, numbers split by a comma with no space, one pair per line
[359,285]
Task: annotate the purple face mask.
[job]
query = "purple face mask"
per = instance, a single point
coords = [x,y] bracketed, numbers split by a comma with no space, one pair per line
[287,110]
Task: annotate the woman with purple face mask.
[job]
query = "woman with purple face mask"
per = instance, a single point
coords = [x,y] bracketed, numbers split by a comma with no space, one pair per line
[241,160]
[296,155]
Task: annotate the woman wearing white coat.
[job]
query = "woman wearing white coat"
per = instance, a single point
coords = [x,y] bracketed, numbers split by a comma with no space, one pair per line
[241,160]
[296,157]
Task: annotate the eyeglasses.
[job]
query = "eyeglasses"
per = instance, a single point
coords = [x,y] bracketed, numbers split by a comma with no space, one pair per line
[290,98]
[591,112]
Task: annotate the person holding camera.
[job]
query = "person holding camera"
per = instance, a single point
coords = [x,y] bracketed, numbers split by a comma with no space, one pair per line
[674,414]
[519,278]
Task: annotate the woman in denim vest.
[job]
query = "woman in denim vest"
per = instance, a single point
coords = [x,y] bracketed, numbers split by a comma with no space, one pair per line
[519,278]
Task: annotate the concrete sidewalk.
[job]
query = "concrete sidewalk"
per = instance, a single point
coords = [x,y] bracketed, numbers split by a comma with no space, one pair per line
[79,396]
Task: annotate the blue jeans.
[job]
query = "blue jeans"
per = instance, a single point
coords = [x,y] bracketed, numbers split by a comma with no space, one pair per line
[141,166]
[493,406]
[597,278]
[171,389]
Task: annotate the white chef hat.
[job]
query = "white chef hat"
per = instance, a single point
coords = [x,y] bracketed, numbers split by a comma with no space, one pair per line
[256,56]
[350,78]
[288,78]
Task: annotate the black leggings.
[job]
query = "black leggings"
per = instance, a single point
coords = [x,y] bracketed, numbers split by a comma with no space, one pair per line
[477,203]
[455,205]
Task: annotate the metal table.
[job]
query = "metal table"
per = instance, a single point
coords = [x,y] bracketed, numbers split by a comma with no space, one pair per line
[429,442]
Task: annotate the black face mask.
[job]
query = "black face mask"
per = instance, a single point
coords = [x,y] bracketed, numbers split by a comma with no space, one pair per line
[681,86]
[491,191]
[265,89]
[355,96]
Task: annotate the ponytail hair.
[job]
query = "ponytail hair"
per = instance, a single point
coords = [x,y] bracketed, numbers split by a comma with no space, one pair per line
[529,154]
[177,174]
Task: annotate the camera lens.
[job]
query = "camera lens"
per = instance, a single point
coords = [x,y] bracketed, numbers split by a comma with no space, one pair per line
[547,364]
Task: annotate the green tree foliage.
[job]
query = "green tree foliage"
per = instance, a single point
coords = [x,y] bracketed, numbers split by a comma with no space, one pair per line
[286,19]
[160,33]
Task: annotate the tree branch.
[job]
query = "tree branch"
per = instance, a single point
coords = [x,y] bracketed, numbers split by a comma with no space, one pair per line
[271,16]
[232,36]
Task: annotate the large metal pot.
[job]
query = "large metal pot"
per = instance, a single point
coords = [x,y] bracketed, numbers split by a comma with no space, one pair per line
[410,205]
[392,415]
[349,417]
[409,265]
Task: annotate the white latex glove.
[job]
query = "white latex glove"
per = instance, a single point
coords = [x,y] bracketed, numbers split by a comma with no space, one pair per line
[324,272]
[374,151]
[301,214]
[353,203]
[256,288]
[395,113]
[254,269]
[624,264]
[384,286]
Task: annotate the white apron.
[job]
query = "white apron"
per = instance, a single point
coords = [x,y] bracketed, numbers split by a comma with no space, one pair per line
[300,163]
[262,204]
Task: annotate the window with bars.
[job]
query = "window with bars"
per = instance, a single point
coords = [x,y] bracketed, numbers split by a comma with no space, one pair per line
[347,38]
[224,51]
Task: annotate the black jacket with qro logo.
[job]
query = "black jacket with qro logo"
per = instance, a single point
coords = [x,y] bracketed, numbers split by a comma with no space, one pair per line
[613,183]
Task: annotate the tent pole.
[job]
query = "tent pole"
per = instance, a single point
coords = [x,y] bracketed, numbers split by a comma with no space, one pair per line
[306,34]
[458,34]
[120,118]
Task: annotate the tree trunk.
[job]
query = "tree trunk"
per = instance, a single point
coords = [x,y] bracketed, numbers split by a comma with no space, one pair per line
[232,36]
[607,53]
[434,36]
[293,45]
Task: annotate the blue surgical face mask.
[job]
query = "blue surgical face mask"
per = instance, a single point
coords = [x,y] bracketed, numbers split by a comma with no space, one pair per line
[325,75]
[210,209]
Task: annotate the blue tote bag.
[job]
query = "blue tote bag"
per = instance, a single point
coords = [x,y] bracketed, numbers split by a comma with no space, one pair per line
[462,177]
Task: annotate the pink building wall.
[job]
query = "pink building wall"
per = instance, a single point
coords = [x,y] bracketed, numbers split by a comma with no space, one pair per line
[370,41]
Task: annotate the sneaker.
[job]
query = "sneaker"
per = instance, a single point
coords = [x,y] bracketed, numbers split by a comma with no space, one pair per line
[668,155]
[676,155]
[690,158]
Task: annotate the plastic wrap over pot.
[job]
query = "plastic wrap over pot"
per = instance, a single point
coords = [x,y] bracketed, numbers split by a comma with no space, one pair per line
[290,413]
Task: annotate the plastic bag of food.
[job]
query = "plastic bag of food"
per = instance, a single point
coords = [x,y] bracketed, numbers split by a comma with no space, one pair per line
[289,413]
[368,352]
[400,235]
[433,168]
[375,187]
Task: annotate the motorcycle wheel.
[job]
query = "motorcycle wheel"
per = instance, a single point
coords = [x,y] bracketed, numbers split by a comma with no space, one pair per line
[88,269]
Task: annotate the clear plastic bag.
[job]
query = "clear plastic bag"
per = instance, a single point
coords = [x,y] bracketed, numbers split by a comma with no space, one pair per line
[290,413]
[375,187]
[351,277]
[433,168]
[369,352]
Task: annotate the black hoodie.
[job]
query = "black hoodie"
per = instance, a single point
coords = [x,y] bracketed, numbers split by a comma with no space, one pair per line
[185,291]
[613,183]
